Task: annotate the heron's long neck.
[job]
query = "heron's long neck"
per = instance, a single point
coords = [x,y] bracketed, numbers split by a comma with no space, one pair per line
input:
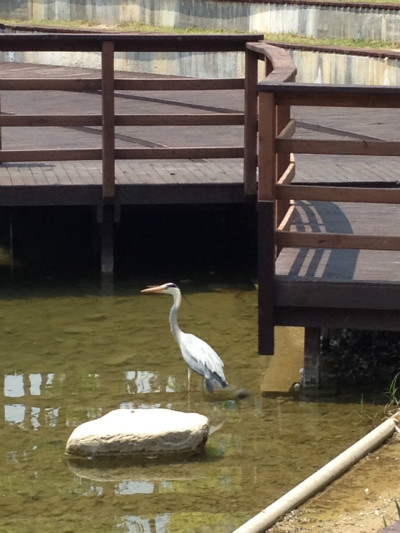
[173,316]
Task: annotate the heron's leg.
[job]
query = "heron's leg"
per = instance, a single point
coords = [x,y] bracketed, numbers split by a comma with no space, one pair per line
[188,391]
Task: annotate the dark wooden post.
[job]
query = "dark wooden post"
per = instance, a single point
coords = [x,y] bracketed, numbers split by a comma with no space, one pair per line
[107,240]
[250,124]
[266,271]
[108,131]
[266,221]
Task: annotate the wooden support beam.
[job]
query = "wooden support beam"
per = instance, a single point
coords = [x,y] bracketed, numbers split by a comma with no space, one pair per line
[310,146]
[343,241]
[179,84]
[286,178]
[266,270]
[323,193]
[107,240]
[312,353]
[181,152]
[287,220]
[250,125]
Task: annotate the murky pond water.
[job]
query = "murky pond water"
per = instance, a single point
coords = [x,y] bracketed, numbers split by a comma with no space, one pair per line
[69,355]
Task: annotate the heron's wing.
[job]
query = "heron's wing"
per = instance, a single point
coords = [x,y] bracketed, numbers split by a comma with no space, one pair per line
[199,356]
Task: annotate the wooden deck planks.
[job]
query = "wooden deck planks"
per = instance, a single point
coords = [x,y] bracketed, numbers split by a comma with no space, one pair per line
[190,180]
[340,288]
[342,265]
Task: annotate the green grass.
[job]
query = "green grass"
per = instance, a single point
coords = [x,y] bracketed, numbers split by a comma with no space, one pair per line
[288,38]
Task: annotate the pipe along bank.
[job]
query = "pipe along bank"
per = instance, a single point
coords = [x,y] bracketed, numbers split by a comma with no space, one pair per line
[321,478]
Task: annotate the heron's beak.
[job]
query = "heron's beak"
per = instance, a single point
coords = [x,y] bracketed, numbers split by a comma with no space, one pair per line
[157,288]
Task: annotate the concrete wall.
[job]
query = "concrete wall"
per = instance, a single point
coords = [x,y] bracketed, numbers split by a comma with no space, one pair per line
[312,21]
[312,67]
[197,65]
[315,67]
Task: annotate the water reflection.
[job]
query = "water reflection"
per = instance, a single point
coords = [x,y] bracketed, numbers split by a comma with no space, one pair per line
[20,385]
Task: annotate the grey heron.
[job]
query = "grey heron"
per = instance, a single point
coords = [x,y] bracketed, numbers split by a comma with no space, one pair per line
[197,354]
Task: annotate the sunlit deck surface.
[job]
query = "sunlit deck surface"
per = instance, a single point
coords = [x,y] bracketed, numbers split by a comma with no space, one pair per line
[161,181]
[337,287]
[137,181]
[311,285]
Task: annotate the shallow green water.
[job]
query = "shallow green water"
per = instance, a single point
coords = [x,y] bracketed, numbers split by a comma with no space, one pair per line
[71,355]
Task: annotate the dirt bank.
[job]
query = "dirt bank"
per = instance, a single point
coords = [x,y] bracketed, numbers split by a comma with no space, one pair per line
[358,502]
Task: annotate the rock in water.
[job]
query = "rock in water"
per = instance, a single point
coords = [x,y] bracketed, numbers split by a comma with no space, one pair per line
[135,432]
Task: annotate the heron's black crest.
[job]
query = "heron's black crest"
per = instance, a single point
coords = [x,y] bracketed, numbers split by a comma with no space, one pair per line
[171,285]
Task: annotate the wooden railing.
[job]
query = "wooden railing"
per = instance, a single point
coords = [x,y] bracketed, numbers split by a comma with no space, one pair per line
[260,154]
[275,184]
[107,83]
[275,180]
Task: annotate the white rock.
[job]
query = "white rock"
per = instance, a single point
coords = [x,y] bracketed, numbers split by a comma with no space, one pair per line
[132,432]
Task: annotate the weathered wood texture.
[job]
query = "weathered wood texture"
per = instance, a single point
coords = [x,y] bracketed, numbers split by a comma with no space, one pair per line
[338,247]
[125,42]
[348,282]
[109,83]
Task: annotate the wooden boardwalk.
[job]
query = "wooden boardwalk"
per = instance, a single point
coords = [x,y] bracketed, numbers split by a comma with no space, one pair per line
[138,181]
[163,181]
[312,287]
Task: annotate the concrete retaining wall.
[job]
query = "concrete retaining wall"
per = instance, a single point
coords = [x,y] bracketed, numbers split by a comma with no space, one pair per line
[197,65]
[317,67]
[312,67]
[305,19]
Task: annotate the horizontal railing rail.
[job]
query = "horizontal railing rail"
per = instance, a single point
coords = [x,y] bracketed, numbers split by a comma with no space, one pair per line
[108,83]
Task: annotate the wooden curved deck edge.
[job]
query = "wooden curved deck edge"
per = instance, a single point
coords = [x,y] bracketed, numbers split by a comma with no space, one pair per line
[282,68]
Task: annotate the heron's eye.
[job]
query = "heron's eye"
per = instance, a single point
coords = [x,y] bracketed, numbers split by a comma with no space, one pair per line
[171,285]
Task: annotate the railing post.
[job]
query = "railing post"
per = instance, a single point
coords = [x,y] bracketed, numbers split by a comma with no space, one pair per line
[266,221]
[250,124]
[108,113]
[266,273]
[108,159]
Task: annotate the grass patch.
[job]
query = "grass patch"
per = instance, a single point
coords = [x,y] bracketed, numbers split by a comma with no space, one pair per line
[291,38]
[287,38]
